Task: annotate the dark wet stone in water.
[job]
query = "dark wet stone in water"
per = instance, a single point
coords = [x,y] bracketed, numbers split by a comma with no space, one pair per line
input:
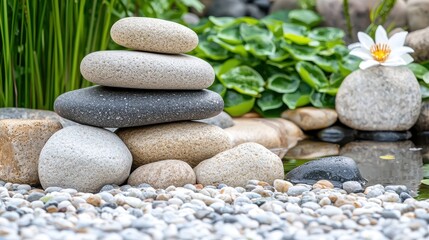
[384,136]
[336,169]
[119,107]
[337,134]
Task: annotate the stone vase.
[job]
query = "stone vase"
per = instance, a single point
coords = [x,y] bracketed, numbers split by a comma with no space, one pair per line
[379,99]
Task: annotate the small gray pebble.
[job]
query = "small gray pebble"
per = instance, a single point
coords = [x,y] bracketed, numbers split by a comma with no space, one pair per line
[296,190]
[52,189]
[395,214]
[34,196]
[106,188]
[352,187]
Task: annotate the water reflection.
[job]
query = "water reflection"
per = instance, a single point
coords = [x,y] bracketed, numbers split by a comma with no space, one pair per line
[387,162]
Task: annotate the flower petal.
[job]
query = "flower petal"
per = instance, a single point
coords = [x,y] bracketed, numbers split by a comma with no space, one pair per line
[397,52]
[381,35]
[361,53]
[354,45]
[367,64]
[407,58]
[394,61]
[365,40]
[397,40]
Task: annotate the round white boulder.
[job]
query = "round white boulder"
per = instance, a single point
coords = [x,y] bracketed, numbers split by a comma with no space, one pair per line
[84,158]
[143,70]
[153,35]
[379,99]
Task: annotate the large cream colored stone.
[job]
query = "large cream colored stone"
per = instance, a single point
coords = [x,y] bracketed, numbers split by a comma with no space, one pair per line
[84,158]
[144,70]
[153,35]
[20,144]
[191,142]
[163,174]
[271,133]
[311,118]
[236,166]
[379,99]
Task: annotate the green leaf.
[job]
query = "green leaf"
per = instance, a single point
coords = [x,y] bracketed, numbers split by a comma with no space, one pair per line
[283,83]
[237,104]
[194,4]
[418,70]
[424,90]
[322,100]
[283,64]
[299,52]
[230,35]
[269,100]
[244,80]
[213,50]
[218,88]
[336,79]
[296,33]
[312,75]
[249,32]
[275,26]
[328,64]
[239,49]
[221,21]
[426,77]
[349,64]
[299,98]
[226,66]
[326,34]
[279,15]
[305,17]
[260,47]
[279,54]
[425,181]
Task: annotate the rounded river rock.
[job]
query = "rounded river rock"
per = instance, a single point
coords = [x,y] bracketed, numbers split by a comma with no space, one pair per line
[379,99]
[163,174]
[116,107]
[142,70]
[191,142]
[238,165]
[153,35]
[84,158]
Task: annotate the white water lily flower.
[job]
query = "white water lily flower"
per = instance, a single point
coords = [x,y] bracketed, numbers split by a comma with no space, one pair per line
[384,51]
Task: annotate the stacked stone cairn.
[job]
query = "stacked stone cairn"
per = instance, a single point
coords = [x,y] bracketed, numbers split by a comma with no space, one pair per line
[149,94]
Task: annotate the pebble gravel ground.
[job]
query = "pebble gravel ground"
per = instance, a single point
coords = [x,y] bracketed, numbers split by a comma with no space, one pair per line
[258,211]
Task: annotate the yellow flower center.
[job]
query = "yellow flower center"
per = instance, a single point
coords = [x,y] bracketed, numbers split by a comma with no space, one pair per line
[380,51]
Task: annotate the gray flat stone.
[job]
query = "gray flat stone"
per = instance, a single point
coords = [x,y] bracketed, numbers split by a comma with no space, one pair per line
[116,107]
[143,70]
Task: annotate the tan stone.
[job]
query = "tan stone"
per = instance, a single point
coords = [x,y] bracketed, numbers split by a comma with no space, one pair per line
[163,174]
[235,167]
[191,142]
[153,35]
[310,118]
[419,41]
[270,133]
[308,149]
[282,185]
[20,144]
[417,14]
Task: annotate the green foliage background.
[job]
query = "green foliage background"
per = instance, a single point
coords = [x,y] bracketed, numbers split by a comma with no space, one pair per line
[43,42]
[281,61]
